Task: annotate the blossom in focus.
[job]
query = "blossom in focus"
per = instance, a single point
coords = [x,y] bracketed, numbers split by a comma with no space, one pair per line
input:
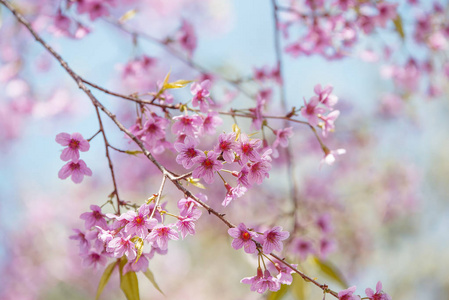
[76,170]
[200,92]
[74,143]
[272,239]
[243,238]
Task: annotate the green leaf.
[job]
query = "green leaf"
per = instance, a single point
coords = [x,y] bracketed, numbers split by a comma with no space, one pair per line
[177,84]
[399,28]
[133,152]
[279,294]
[150,277]
[105,278]
[195,182]
[299,287]
[331,271]
[128,282]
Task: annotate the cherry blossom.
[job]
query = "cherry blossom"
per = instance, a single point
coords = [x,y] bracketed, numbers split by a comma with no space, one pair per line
[77,171]
[75,143]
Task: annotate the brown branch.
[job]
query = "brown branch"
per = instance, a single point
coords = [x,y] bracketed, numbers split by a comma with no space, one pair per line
[111,166]
[290,160]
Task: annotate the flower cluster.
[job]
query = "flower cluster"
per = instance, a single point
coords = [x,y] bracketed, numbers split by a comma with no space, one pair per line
[348,294]
[136,235]
[76,168]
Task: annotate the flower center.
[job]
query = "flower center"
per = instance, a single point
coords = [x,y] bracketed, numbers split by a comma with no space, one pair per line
[74,144]
[246,236]
[139,220]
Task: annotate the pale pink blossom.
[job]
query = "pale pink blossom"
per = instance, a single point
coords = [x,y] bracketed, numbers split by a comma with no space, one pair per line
[120,246]
[310,111]
[95,259]
[348,294]
[329,155]
[188,125]
[378,295]
[83,242]
[187,37]
[77,171]
[186,226]
[74,143]
[161,234]
[328,122]
[139,223]
[247,149]
[227,146]
[267,282]
[243,238]
[211,122]
[259,170]
[208,165]
[200,92]
[272,239]
[94,218]
[137,266]
[253,280]
[187,152]
[302,247]
[233,193]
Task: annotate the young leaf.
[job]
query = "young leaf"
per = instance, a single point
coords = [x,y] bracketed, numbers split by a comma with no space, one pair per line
[127,16]
[195,182]
[133,152]
[331,271]
[279,294]
[105,278]
[399,28]
[150,277]
[177,84]
[128,282]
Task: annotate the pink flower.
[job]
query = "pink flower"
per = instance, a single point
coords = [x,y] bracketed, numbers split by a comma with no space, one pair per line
[267,282]
[379,295]
[248,149]
[186,124]
[253,280]
[327,246]
[325,95]
[74,143]
[285,274]
[329,155]
[137,266]
[282,136]
[187,37]
[310,111]
[139,223]
[201,94]
[94,218]
[348,294]
[259,170]
[387,11]
[272,239]
[161,234]
[187,205]
[242,177]
[76,170]
[324,223]
[187,152]
[328,122]
[95,8]
[208,165]
[122,246]
[186,226]
[227,145]
[83,242]
[233,193]
[153,130]
[243,238]
[94,259]
[303,248]
[210,122]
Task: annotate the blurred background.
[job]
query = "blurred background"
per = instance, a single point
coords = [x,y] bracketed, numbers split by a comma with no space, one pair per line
[386,198]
